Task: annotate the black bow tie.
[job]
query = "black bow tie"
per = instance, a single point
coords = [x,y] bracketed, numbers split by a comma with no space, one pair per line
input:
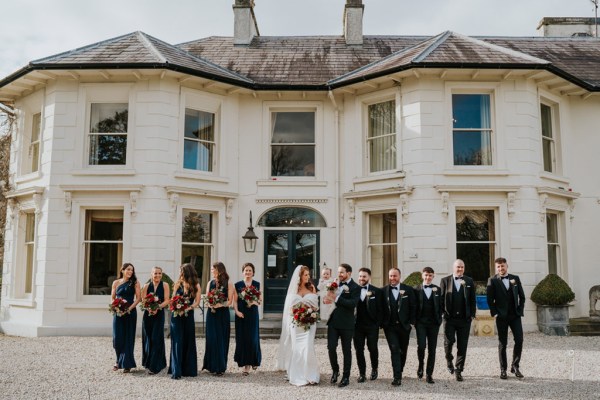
[427,286]
[504,277]
[394,288]
[457,277]
[344,284]
[364,287]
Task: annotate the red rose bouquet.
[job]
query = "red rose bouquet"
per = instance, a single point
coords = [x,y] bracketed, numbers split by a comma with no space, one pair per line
[150,303]
[119,307]
[332,287]
[180,306]
[214,297]
[251,295]
[304,315]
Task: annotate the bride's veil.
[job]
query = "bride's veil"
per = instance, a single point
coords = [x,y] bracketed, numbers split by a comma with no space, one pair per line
[284,352]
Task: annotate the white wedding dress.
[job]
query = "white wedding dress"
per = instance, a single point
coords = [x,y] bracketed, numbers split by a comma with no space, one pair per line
[296,352]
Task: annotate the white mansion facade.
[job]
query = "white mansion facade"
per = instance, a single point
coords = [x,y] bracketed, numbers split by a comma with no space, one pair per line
[374,151]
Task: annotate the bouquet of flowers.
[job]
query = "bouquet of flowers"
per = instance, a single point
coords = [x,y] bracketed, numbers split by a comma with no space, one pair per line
[150,303]
[251,295]
[180,306]
[119,307]
[332,287]
[304,315]
[214,297]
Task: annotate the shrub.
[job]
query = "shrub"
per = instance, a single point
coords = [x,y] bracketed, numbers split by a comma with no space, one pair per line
[166,278]
[552,291]
[480,289]
[413,279]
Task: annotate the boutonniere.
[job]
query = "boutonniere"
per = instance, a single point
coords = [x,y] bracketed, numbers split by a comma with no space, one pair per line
[402,292]
[369,293]
[346,289]
[513,282]
[434,289]
[462,282]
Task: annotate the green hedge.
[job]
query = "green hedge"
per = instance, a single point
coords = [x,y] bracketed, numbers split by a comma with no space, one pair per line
[552,291]
[413,279]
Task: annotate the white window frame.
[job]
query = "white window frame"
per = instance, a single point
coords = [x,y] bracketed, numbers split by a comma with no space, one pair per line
[553,102]
[495,242]
[560,244]
[31,106]
[369,246]
[210,245]
[295,106]
[210,103]
[108,93]
[494,91]
[20,289]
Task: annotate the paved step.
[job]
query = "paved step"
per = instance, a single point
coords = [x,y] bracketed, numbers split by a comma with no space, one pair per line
[584,327]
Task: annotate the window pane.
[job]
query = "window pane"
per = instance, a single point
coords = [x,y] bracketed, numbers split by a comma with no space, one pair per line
[104,225]
[197,155]
[293,160]
[196,227]
[475,225]
[30,228]
[547,146]
[383,153]
[102,265]
[293,127]
[382,228]
[546,114]
[35,156]
[109,118]
[199,125]
[553,256]
[200,258]
[35,127]
[552,228]
[108,149]
[478,258]
[292,217]
[382,118]
[472,148]
[471,111]
[29,250]
[382,259]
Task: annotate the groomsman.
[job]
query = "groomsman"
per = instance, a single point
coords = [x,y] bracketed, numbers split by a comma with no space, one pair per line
[398,315]
[458,311]
[506,299]
[368,319]
[341,322]
[429,319]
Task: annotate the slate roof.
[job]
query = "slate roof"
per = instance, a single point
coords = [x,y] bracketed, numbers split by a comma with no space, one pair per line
[326,62]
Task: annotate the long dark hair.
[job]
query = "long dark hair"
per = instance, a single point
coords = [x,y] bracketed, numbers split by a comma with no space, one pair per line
[187,274]
[133,279]
[309,285]
[222,276]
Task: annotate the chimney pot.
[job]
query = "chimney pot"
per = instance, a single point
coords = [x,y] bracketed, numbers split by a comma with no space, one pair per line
[353,15]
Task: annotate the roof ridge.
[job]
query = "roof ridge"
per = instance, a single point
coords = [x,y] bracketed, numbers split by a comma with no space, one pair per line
[501,49]
[146,42]
[441,39]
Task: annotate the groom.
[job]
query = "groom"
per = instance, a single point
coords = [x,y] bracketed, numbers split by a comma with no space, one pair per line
[341,322]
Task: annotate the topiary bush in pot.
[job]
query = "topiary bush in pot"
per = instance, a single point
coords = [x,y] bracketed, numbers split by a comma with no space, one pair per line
[414,279]
[552,296]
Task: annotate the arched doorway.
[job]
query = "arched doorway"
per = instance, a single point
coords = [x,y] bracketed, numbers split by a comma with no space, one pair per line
[291,239]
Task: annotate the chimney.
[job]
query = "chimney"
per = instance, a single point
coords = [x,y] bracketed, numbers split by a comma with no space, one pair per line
[353,15]
[245,26]
[568,26]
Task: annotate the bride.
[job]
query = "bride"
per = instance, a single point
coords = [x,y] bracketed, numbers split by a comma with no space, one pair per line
[296,352]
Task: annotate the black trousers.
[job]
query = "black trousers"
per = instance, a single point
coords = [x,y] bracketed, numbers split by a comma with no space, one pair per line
[371,335]
[457,330]
[514,323]
[397,338]
[427,338]
[345,335]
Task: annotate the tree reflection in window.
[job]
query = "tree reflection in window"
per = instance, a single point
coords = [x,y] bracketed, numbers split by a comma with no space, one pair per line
[292,217]
[108,134]
[476,242]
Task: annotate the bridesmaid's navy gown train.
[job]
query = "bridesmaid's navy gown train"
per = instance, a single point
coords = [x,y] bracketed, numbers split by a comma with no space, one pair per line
[217,337]
[124,329]
[153,334]
[184,360]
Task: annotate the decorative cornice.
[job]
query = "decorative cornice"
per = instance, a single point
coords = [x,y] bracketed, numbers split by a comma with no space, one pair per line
[15,194]
[102,188]
[558,192]
[477,188]
[291,201]
[394,191]
[200,192]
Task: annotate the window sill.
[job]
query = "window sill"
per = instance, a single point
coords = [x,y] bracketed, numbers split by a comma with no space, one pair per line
[381,177]
[476,172]
[200,176]
[27,303]
[104,172]
[553,177]
[290,182]
[28,177]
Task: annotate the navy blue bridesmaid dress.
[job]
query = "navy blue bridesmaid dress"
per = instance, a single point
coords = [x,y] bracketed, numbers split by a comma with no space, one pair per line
[184,358]
[217,337]
[247,339]
[153,334]
[124,329]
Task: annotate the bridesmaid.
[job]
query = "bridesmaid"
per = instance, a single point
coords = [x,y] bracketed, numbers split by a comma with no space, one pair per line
[126,287]
[184,358]
[247,340]
[153,324]
[217,323]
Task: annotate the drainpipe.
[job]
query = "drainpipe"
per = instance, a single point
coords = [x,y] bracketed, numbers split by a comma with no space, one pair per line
[338,200]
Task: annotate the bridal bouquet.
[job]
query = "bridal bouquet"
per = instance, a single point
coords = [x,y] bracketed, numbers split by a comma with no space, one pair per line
[214,297]
[332,287]
[251,295]
[150,303]
[304,315]
[118,307]
[180,306]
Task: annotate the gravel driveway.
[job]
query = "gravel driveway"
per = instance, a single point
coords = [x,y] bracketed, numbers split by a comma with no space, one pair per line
[80,368]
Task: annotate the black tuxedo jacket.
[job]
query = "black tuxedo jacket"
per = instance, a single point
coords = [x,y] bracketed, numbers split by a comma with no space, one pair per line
[438,300]
[407,306]
[374,305]
[447,288]
[497,295]
[342,316]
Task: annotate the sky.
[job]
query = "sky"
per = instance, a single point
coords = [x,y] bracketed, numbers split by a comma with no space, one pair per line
[33,29]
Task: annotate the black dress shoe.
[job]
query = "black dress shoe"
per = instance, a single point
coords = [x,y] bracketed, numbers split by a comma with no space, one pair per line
[361,378]
[450,367]
[429,379]
[344,382]
[397,382]
[515,370]
[334,377]
[503,374]
[420,372]
[373,374]
[459,377]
